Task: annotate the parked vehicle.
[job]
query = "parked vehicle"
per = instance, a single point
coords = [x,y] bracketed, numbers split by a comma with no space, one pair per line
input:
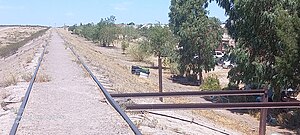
[218,54]
[288,93]
[140,71]
[228,64]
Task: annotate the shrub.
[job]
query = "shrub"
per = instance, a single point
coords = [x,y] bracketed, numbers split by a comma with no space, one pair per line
[10,79]
[26,77]
[289,119]
[42,77]
[138,52]
[124,45]
[211,83]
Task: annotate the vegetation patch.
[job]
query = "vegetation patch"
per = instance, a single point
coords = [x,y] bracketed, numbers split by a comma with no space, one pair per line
[138,53]
[42,77]
[26,77]
[9,79]
[211,83]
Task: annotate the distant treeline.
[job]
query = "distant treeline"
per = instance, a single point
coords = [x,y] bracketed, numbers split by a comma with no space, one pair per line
[23,26]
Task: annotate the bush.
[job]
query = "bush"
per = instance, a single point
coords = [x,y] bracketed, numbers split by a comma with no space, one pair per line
[211,83]
[139,52]
[289,119]
[174,68]
[9,79]
[124,45]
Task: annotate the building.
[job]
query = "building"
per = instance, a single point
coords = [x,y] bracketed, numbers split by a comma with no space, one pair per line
[227,41]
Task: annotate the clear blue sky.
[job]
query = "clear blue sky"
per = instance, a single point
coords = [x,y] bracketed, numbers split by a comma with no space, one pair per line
[69,12]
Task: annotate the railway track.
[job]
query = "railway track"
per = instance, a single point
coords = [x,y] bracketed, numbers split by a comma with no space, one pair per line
[143,107]
[110,100]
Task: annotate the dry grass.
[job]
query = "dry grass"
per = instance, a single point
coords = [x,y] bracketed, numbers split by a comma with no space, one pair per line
[9,79]
[42,77]
[76,61]
[4,94]
[85,74]
[26,77]
[29,58]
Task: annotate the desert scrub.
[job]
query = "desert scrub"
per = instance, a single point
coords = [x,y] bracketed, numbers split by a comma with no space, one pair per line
[124,45]
[42,77]
[26,77]
[211,83]
[9,79]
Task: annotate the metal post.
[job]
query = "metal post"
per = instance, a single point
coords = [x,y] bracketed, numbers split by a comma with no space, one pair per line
[160,76]
[263,114]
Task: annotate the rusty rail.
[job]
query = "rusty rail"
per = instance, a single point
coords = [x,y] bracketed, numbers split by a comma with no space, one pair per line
[264,105]
[193,93]
[250,105]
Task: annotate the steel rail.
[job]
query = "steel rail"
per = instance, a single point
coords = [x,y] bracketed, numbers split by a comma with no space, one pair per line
[108,97]
[250,105]
[192,93]
[26,97]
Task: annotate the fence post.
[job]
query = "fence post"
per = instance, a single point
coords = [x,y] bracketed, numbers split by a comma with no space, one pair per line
[160,76]
[263,114]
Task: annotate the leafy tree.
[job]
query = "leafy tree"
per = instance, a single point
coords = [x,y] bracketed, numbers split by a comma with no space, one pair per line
[129,33]
[161,41]
[199,36]
[104,32]
[131,23]
[267,33]
[71,28]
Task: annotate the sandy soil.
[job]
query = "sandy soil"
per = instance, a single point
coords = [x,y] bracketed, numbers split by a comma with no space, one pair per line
[69,103]
[10,35]
[117,68]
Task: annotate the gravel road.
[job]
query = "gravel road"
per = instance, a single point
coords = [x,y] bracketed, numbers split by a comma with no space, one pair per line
[69,103]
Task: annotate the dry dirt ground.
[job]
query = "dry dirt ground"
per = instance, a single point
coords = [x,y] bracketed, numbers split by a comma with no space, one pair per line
[110,62]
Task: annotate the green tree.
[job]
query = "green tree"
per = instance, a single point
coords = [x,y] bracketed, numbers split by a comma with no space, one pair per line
[129,33]
[199,36]
[104,32]
[267,33]
[161,41]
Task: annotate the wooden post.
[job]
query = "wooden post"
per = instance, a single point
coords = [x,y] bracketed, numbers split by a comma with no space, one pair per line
[263,114]
[160,76]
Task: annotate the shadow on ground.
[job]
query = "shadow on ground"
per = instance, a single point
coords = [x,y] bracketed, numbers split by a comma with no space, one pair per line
[184,81]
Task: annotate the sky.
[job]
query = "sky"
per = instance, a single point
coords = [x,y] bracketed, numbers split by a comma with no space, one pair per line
[69,12]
